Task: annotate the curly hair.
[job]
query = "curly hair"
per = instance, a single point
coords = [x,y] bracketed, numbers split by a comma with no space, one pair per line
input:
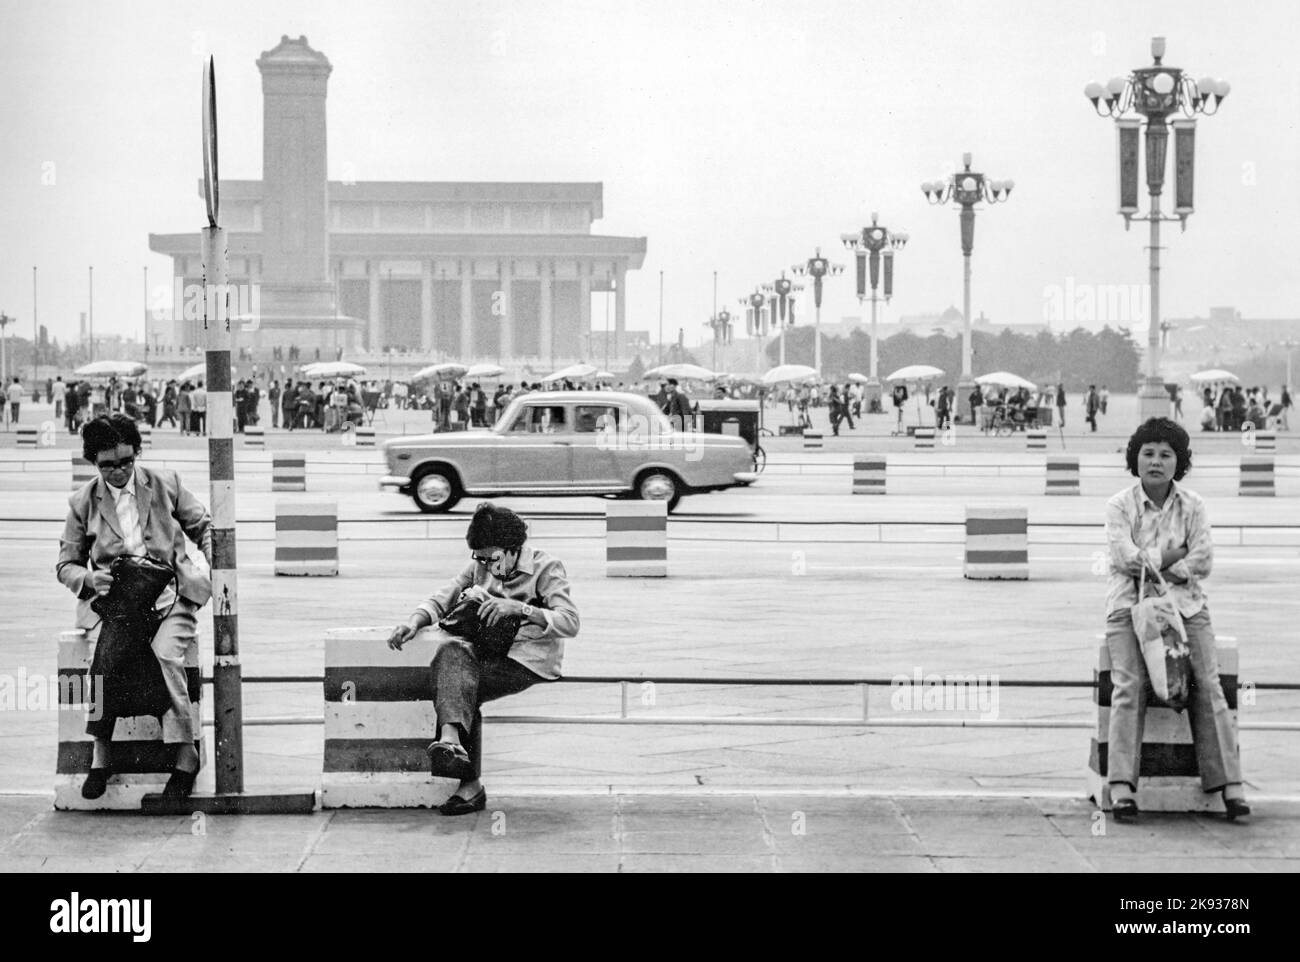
[106,432]
[1153,431]
[493,527]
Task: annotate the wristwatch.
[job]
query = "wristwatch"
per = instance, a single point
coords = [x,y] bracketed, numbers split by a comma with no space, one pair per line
[528,611]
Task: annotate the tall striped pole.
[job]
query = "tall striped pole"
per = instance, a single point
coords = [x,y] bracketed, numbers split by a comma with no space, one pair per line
[226,677]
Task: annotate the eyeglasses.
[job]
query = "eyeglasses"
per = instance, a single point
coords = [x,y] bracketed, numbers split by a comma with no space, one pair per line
[114,465]
[485,561]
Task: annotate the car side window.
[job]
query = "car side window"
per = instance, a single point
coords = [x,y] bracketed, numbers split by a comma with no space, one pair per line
[595,418]
[547,419]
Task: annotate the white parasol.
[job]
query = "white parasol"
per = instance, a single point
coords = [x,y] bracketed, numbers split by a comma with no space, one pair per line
[332,369]
[789,372]
[683,372]
[1006,379]
[915,372]
[112,369]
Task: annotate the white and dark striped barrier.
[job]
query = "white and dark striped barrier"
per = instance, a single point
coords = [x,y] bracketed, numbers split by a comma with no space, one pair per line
[82,471]
[924,438]
[1062,474]
[812,440]
[140,760]
[1035,440]
[997,544]
[789,430]
[289,472]
[1265,442]
[146,436]
[306,538]
[365,437]
[636,539]
[28,436]
[379,718]
[869,474]
[1168,775]
[1256,476]
[254,436]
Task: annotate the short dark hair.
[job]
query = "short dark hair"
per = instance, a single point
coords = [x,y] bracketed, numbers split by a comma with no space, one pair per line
[494,527]
[672,381]
[106,432]
[1153,431]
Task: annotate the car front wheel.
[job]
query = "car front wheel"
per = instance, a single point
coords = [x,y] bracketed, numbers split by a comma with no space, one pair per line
[659,486]
[435,490]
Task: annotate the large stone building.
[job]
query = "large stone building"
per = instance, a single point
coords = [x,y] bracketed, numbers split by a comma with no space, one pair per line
[462,270]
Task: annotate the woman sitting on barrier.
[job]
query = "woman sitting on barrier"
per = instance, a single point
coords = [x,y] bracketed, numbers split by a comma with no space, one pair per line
[1161,525]
[522,598]
[137,513]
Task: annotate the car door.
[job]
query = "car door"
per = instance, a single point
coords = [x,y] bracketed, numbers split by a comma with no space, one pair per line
[598,437]
[535,451]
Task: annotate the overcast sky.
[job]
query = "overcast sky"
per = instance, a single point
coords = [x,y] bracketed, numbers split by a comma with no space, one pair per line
[735,136]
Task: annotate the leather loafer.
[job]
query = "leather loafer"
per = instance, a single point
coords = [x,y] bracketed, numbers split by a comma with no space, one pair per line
[1236,808]
[96,783]
[1125,809]
[463,806]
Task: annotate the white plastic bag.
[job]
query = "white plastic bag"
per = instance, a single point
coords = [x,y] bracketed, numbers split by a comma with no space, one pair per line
[1163,640]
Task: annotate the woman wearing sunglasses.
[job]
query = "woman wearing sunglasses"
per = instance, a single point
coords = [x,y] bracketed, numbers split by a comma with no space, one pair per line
[131,510]
[511,579]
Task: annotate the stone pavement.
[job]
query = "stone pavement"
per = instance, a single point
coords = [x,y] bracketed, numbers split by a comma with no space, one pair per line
[649,832]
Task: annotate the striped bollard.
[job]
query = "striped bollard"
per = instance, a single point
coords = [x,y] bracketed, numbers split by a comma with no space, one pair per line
[365,437]
[254,436]
[1256,476]
[289,472]
[1035,440]
[140,760]
[307,538]
[378,720]
[869,474]
[924,439]
[146,436]
[636,539]
[1169,777]
[27,436]
[812,440]
[1265,442]
[82,471]
[997,544]
[1062,474]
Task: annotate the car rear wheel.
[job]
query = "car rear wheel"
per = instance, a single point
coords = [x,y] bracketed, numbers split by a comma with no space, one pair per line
[659,486]
[435,490]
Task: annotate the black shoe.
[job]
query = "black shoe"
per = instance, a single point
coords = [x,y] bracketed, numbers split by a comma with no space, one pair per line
[180,785]
[464,806]
[1125,809]
[1236,808]
[96,783]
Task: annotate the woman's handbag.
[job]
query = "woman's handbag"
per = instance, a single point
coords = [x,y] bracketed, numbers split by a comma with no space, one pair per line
[494,641]
[128,678]
[1163,640]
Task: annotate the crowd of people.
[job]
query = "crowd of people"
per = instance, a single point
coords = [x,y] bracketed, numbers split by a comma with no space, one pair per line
[1236,408]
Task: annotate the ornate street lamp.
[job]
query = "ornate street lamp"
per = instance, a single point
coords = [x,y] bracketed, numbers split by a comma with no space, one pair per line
[817,267]
[720,324]
[870,245]
[1156,93]
[755,325]
[967,188]
[781,305]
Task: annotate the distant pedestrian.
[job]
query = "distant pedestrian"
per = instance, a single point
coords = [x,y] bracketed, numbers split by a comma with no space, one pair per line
[1285,422]
[1092,404]
[1178,402]
[273,395]
[15,395]
[185,408]
[199,407]
[1060,404]
[58,394]
[1104,398]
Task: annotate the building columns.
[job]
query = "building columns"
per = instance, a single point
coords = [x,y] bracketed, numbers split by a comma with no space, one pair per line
[426,306]
[584,306]
[620,308]
[507,321]
[374,342]
[545,295]
[466,310]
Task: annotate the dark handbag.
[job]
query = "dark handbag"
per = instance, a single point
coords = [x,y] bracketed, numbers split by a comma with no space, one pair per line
[492,641]
[129,678]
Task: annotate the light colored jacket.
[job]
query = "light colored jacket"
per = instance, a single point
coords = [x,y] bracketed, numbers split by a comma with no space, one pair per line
[92,536]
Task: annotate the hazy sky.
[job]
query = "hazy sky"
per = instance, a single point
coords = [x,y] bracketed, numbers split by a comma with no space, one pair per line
[736,136]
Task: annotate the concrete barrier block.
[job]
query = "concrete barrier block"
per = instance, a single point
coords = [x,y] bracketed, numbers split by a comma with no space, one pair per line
[636,539]
[307,538]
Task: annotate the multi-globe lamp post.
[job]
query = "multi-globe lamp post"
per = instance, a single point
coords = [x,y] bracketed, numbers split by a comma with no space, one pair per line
[870,246]
[781,305]
[1156,93]
[753,304]
[720,324]
[967,188]
[817,267]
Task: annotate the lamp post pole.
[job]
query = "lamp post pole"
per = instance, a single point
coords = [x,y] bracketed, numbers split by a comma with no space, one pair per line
[817,267]
[90,317]
[871,245]
[779,292]
[967,188]
[36,333]
[1156,93]
[755,302]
